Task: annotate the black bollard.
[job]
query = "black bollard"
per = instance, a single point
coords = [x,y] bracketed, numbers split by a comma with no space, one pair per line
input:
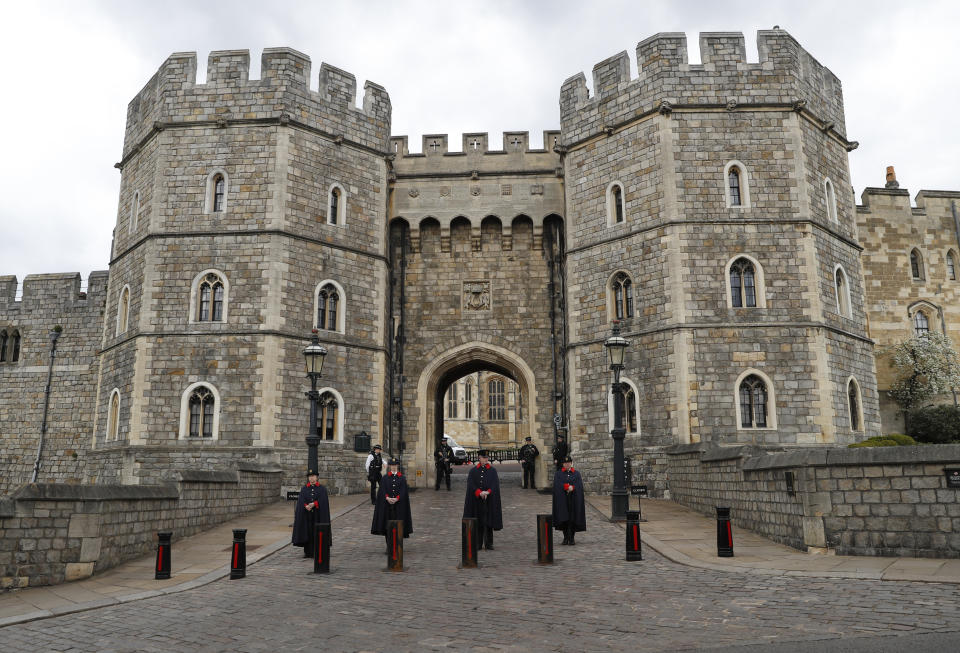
[545,539]
[633,535]
[724,533]
[238,561]
[468,543]
[321,553]
[163,556]
[395,533]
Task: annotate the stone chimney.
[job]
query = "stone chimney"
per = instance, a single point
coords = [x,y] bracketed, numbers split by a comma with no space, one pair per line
[891,178]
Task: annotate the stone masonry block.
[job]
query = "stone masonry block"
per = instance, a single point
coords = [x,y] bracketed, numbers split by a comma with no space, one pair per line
[84,526]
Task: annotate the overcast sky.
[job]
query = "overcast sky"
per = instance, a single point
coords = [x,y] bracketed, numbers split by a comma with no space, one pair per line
[72,67]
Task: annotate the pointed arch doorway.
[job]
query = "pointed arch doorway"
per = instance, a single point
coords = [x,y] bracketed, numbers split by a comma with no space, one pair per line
[453,364]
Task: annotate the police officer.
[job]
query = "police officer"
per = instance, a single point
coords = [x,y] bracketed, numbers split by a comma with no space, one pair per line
[443,458]
[374,467]
[528,460]
[560,451]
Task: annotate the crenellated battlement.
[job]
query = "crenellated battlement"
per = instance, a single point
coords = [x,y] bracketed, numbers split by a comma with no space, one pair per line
[46,291]
[786,74]
[475,154]
[173,96]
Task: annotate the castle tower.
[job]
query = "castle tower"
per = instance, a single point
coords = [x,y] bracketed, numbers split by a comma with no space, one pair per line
[721,193]
[251,211]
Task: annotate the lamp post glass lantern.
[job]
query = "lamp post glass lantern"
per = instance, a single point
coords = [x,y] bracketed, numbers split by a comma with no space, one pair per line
[314,355]
[616,348]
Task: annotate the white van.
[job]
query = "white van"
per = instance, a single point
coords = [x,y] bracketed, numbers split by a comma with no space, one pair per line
[459,453]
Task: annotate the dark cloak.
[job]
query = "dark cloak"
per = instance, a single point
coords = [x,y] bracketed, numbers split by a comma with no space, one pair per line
[394,485]
[488,510]
[570,508]
[305,521]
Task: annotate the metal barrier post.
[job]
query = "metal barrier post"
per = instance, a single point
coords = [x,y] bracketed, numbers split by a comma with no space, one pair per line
[238,560]
[545,539]
[163,556]
[395,533]
[321,552]
[633,536]
[724,533]
[468,543]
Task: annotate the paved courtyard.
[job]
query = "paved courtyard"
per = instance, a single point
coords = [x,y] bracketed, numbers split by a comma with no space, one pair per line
[590,600]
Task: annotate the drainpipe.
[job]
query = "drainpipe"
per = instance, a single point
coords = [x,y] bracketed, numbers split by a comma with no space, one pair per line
[956,232]
[46,400]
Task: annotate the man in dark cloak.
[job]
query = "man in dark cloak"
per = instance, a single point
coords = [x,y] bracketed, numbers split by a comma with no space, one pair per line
[569,515]
[560,452]
[393,502]
[528,460]
[313,507]
[483,501]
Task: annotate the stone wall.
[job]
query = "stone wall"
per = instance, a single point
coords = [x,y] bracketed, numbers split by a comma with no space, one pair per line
[886,501]
[51,533]
[49,300]
[890,229]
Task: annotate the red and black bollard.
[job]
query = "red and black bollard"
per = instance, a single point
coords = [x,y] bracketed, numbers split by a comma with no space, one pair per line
[163,556]
[468,543]
[724,533]
[321,552]
[395,535]
[633,535]
[545,539]
[238,559]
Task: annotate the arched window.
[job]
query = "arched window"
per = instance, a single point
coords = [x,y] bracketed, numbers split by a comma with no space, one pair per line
[736,185]
[123,310]
[4,339]
[951,266]
[328,307]
[854,405]
[219,193]
[328,416]
[843,292]
[468,399]
[629,406]
[113,416]
[621,291]
[134,213]
[496,403]
[616,209]
[210,298]
[743,284]
[218,186]
[733,179]
[921,325]
[452,401]
[202,406]
[916,265]
[830,197]
[336,205]
[755,402]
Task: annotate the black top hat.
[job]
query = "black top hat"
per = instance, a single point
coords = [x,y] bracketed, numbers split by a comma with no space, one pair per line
[311,472]
[568,459]
[394,461]
[482,453]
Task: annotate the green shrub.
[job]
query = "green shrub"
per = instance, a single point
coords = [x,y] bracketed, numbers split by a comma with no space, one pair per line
[892,440]
[936,424]
[901,439]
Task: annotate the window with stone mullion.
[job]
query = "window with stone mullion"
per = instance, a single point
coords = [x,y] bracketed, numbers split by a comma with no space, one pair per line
[3,346]
[854,408]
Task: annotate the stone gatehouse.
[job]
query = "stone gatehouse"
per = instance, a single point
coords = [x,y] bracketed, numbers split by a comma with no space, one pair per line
[707,207]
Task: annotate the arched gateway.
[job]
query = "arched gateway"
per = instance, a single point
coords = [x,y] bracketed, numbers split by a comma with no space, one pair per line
[451,365]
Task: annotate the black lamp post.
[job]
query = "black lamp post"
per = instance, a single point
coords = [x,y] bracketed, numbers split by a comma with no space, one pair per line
[616,347]
[314,353]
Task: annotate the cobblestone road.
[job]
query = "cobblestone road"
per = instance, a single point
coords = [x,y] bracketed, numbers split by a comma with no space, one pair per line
[591,600]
